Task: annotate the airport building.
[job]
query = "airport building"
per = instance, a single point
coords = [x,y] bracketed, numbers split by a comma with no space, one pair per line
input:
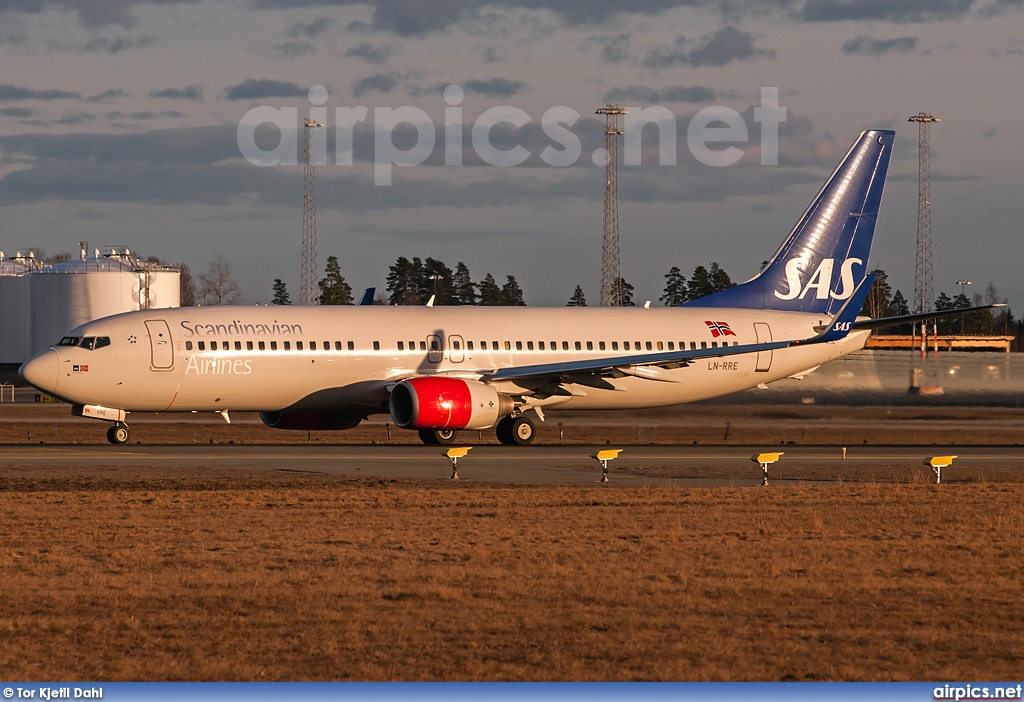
[40,302]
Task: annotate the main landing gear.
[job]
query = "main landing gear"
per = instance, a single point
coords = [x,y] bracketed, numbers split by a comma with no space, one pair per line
[513,431]
[118,434]
[434,437]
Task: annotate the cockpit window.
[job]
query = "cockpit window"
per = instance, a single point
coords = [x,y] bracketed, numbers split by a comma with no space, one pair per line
[102,341]
[88,342]
[70,341]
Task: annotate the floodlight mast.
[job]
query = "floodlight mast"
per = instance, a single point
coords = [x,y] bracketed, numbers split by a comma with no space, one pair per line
[924,276]
[611,268]
[308,292]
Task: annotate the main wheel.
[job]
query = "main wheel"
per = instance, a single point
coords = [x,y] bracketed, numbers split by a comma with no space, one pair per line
[434,437]
[503,429]
[523,431]
[118,434]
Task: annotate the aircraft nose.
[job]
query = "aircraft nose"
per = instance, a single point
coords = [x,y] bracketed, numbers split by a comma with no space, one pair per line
[41,370]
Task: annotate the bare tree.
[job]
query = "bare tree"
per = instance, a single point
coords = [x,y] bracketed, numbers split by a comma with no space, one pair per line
[188,287]
[218,285]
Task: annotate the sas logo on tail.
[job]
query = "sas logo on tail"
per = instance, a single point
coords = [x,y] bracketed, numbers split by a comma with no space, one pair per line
[719,329]
[820,281]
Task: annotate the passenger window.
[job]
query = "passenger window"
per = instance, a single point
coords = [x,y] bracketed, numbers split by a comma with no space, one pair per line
[456,345]
[508,346]
[469,345]
[519,346]
[693,345]
[224,346]
[351,346]
[565,345]
[649,346]
[625,346]
[102,341]
[337,346]
[213,345]
[636,345]
[188,345]
[494,345]
[202,345]
[312,346]
[273,345]
[590,346]
[661,346]
[298,345]
[578,346]
[600,345]
[238,346]
[671,346]
[703,344]
[326,346]
[401,346]
[248,346]
[553,346]
[376,346]
[287,346]
[615,346]
[434,345]
[529,346]
[540,345]
[423,346]
[263,346]
[714,344]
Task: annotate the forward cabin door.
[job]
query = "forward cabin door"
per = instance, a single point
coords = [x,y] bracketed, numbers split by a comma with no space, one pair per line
[764,336]
[162,355]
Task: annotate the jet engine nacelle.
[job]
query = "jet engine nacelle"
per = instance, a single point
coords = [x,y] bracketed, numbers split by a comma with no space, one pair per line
[447,403]
[309,420]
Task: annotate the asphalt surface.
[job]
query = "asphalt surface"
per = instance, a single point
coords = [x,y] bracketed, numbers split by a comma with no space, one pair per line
[533,465]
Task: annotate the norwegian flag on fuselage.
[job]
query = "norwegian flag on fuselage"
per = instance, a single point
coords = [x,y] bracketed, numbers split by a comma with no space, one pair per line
[719,329]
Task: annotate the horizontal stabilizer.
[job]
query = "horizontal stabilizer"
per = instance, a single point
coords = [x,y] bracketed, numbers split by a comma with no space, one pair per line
[883,322]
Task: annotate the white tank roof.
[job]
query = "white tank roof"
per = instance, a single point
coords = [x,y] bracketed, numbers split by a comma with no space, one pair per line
[9,267]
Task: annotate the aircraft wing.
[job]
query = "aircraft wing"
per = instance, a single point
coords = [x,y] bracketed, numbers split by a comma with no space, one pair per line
[882,322]
[654,366]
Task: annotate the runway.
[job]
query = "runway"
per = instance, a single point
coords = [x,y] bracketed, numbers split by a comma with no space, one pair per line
[540,465]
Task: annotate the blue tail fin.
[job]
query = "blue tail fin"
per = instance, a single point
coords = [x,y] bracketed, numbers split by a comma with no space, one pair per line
[825,257]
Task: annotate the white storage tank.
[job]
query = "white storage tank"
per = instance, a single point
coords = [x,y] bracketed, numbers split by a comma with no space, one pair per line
[14,311]
[67,294]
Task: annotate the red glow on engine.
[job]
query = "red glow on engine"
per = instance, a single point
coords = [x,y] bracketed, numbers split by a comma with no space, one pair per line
[441,403]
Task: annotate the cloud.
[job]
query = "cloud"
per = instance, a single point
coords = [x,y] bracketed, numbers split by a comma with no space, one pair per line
[724,46]
[119,44]
[494,87]
[370,53]
[15,92]
[294,49]
[107,95]
[491,55]
[877,47]
[91,13]
[312,29]
[381,82]
[673,93]
[189,92]
[73,118]
[257,89]
[18,111]
[614,49]
[884,10]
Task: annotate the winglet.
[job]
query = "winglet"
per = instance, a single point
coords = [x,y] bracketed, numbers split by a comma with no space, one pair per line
[842,324]
[367,298]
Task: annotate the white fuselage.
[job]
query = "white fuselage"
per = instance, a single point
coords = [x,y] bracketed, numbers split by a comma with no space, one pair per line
[347,358]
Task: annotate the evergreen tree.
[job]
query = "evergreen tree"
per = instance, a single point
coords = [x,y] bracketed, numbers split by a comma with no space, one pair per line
[403,283]
[511,293]
[187,285]
[333,288]
[720,280]
[490,293]
[945,324]
[577,299]
[281,296]
[897,308]
[700,284]
[879,296]
[627,292]
[675,288]
[465,291]
[437,279]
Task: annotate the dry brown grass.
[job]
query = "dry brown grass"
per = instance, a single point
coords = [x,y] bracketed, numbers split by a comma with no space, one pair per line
[186,575]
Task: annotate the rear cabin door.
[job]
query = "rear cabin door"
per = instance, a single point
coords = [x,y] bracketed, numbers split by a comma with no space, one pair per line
[456,354]
[160,344]
[764,336]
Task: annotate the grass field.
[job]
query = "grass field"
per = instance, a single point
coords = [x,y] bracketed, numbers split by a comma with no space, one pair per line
[205,575]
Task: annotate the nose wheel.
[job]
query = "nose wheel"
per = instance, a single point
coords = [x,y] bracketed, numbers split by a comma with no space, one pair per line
[118,434]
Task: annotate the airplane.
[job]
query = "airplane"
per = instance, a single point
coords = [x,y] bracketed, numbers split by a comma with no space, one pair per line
[438,370]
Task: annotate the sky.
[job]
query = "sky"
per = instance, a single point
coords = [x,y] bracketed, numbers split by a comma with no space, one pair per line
[119,125]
